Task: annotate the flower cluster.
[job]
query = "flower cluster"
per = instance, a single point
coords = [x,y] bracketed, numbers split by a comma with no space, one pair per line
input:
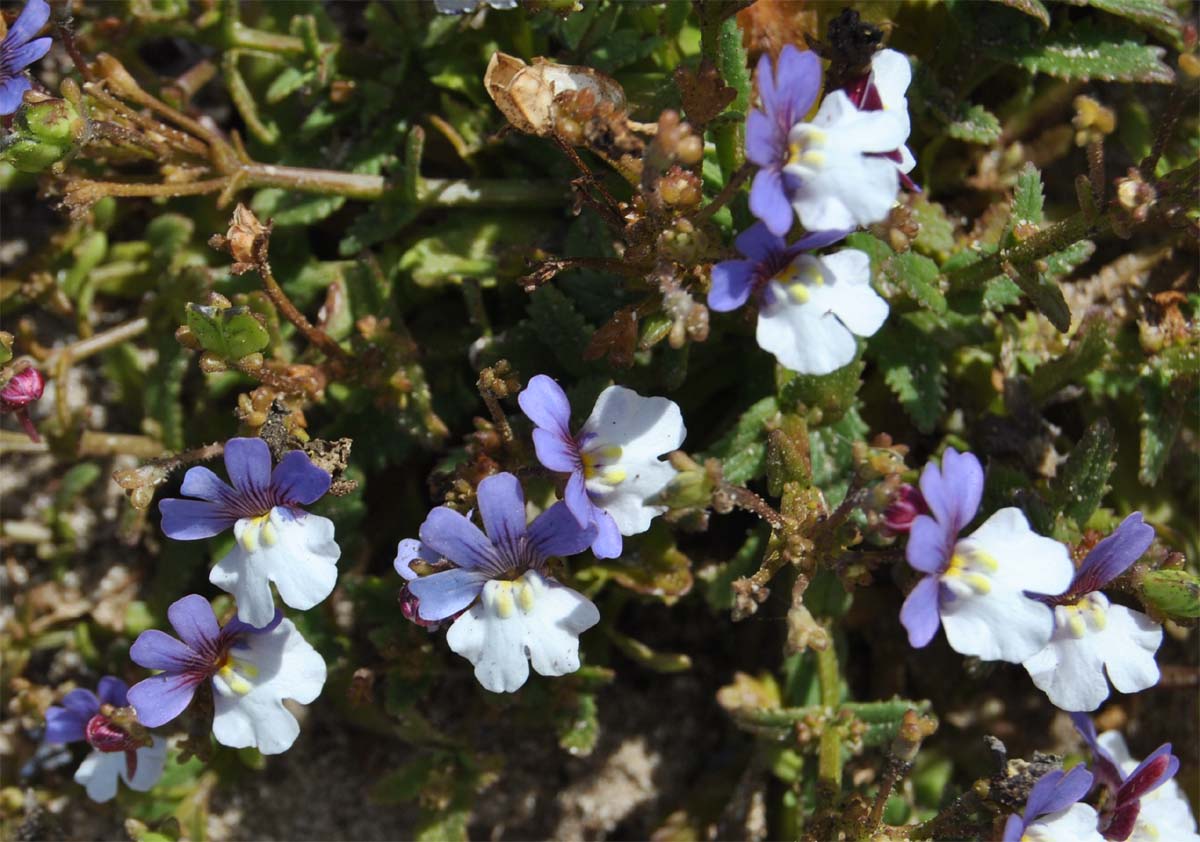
[1005,593]
[253,662]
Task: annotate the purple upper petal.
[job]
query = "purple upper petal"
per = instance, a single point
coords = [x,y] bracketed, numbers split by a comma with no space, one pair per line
[112,690]
[769,201]
[817,240]
[502,509]
[1113,556]
[546,405]
[32,18]
[203,484]
[296,480]
[194,621]
[1013,829]
[732,283]
[236,628]
[759,244]
[1056,791]
[66,724]
[452,536]
[576,497]
[930,545]
[444,594]
[788,94]
[953,493]
[919,614]
[555,451]
[160,698]
[556,532]
[762,141]
[191,520]
[248,463]
[157,650]
[17,58]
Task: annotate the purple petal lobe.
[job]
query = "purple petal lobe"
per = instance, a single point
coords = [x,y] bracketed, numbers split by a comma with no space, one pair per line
[64,726]
[160,698]
[930,545]
[608,541]
[27,54]
[797,80]
[11,92]
[577,499]
[194,621]
[556,452]
[444,594]
[556,532]
[766,146]
[248,463]
[1056,791]
[919,614]
[452,536]
[1013,828]
[765,80]
[546,405]
[157,650]
[1149,775]
[191,520]
[818,240]
[82,702]
[502,508]
[237,628]
[408,551]
[296,480]
[112,690]
[32,18]
[203,484]
[1113,556]
[1107,771]
[759,244]
[954,492]
[769,202]
[731,287]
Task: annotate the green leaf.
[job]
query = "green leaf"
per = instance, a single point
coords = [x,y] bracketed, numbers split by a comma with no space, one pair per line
[936,235]
[914,369]
[1161,419]
[717,579]
[917,276]
[1084,355]
[560,327]
[470,247]
[164,391]
[578,725]
[831,452]
[1027,198]
[1173,593]
[1063,263]
[231,332]
[1085,52]
[974,124]
[1045,295]
[743,450]
[1080,484]
[1154,15]
[288,82]
[646,656]
[285,207]
[1033,8]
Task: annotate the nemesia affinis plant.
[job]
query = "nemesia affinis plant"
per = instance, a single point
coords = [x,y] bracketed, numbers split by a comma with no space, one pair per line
[738,419]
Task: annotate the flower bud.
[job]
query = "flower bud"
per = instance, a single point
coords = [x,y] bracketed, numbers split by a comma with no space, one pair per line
[899,516]
[43,133]
[22,389]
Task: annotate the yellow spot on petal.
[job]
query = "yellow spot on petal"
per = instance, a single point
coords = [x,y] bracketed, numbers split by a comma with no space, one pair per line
[502,600]
[979,583]
[1076,625]
[525,596]
[236,683]
[615,476]
[985,560]
[1099,617]
[270,536]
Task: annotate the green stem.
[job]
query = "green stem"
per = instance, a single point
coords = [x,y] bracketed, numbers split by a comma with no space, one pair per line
[721,44]
[829,757]
[1057,237]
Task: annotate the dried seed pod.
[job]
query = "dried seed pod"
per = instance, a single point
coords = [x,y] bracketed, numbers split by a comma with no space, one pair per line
[526,93]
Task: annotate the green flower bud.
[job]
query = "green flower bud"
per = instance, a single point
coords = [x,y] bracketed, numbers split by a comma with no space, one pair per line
[1173,593]
[53,121]
[29,155]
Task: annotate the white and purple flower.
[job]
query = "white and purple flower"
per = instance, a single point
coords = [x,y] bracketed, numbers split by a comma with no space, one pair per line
[277,541]
[1053,812]
[1093,637]
[787,95]
[1143,803]
[978,587]
[252,671]
[885,88]
[810,308]
[515,613]
[613,460]
[18,50]
[118,755]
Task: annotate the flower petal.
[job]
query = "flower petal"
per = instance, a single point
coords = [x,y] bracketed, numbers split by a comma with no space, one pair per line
[151,760]
[157,650]
[851,297]
[731,287]
[766,144]
[1070,671]
[249,710]
[643,428]
[112,691]
[891,74]
[557,533]
[930,544]
[248,463]
[608,543]
[554,451]
[203,484]
[625,501]
[758,243]
[1058,790]
[771,203]
[545,404]
[32,18]
[797,82]
[296,480]
[1078,823]
[1025,560]
[160,698]
[576,497]
[1113,556]
[26,54]
[444,594]
[66,724]
[193,619]
[919,614]
[803,337]
[408,551]
[1132,639]
[191,520]
[12,92]
[1000,625]
[502,508]
[98,774]
[953,492]
[454,537]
